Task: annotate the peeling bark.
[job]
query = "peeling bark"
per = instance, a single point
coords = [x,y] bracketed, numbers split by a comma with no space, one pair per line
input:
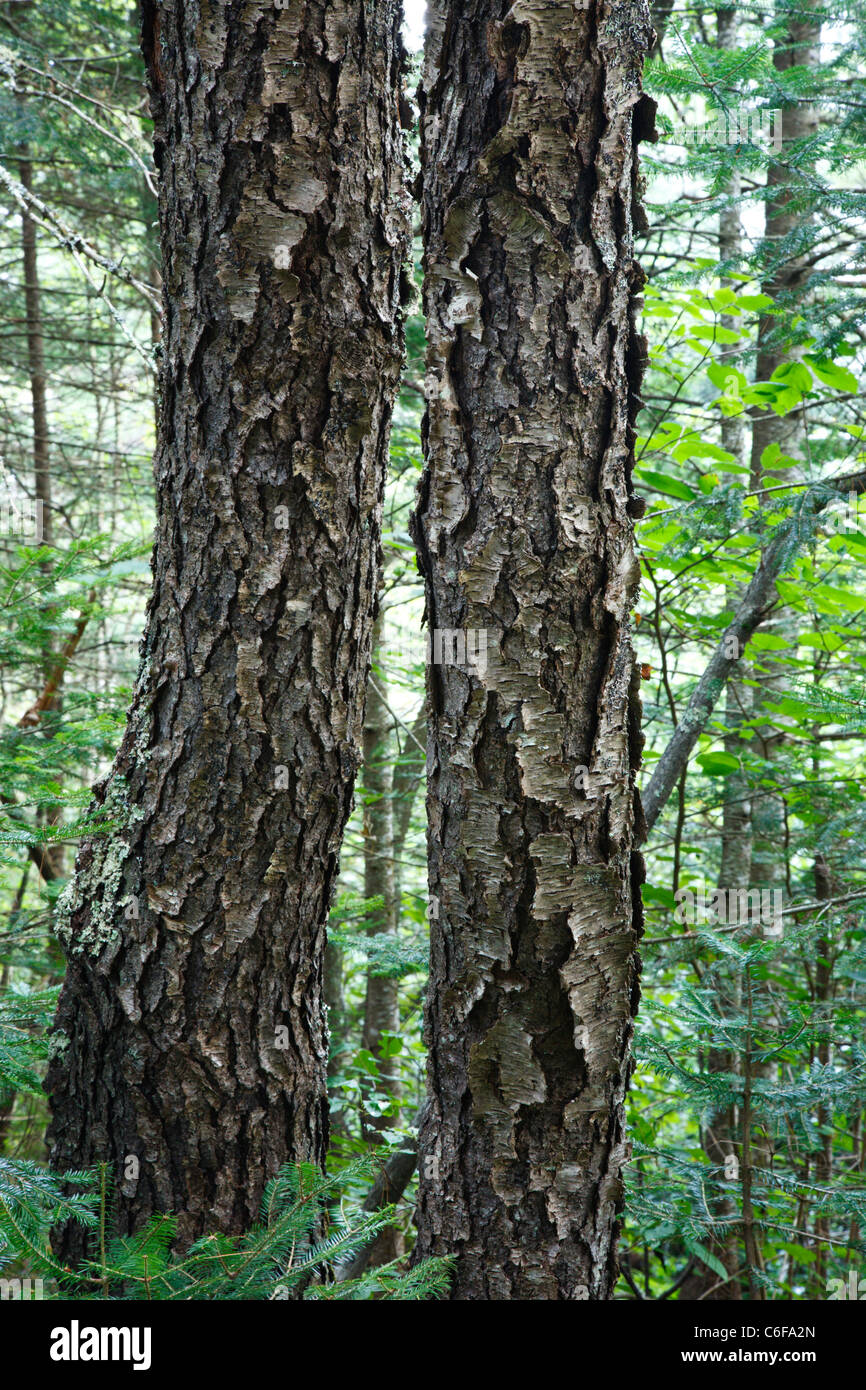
[530,117]
[191,1032]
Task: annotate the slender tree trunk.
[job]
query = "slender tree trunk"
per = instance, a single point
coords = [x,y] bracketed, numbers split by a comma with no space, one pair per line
[335,1003]
[36,357]
[191,1033]
[786,282]
[530,116]
[787,276]
[381,1001]
[660,14]
[823,996]
[51,814]
[787,273]
[718,1134]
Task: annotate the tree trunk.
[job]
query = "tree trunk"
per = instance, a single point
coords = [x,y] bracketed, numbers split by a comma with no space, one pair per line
[786,282]
[823,995]
[786,278]
[51,814]
[787,273]
[718,1130]
[36,357]
[381,997]
[191,1034]
[530,117]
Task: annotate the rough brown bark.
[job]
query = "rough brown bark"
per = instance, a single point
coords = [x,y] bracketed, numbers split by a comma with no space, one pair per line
[530,114]
[191,1032]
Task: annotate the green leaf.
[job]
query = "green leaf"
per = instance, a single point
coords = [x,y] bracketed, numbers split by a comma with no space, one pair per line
[833,375]
[664,483]
[768,642]
[794,375]
[828,597]
[700,449]
[712,1262]
[799,1252]
[758,302]
[718,764]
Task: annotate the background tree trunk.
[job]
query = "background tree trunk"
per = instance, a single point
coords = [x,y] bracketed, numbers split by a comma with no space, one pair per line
[718,1132]
[191,1033]
[36,357]
[786,281]
[530,116]
[381,997]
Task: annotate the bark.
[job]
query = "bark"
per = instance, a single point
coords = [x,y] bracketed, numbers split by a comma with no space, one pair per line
[530,116]
[191,1031]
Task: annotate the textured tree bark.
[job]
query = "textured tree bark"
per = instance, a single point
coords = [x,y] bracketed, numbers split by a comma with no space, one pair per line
[191,1033]
[530,116]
